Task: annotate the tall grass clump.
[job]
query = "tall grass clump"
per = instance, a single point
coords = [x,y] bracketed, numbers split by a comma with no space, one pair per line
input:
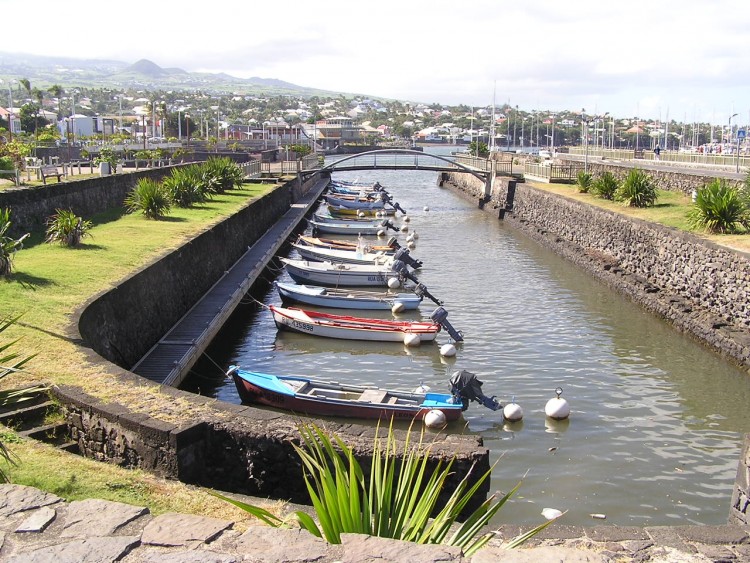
[637,190]
[605,185]
[398,500]
[150,198]
[8,245]
[185,186]
[67,228]
[222,174]
[718,208]
[584,181]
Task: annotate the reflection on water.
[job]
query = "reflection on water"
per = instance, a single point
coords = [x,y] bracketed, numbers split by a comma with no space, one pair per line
[657,420]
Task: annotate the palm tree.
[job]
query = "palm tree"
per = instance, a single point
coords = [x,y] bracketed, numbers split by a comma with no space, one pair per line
[57,91]
[38,95]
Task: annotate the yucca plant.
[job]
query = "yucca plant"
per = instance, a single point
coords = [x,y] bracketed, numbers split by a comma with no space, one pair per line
[12,362]
[67,228]
[185,186]
[398,500]
[150,198]
[637,190]
[583,181]
[8,245]
[225,172]
[718,208]
[605,185]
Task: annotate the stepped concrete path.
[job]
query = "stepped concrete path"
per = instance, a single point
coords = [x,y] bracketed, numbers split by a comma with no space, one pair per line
[36,527]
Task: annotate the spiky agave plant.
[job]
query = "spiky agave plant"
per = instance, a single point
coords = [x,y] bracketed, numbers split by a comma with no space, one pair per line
[718,208]
[185,186]
[8,245]
[399,500]
[637,190]
[150,198]
[67,228]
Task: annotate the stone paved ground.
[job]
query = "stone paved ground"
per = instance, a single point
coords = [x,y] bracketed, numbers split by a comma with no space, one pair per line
[39,527]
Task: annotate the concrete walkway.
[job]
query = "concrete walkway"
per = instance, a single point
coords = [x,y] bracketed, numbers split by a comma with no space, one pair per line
[37,527]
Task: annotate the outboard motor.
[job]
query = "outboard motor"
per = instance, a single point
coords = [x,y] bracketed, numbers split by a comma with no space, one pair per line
[403,255]
[440,316]
[387,199]
[393,243]
[421,291]
[397,207]
[388,225]
[468,387]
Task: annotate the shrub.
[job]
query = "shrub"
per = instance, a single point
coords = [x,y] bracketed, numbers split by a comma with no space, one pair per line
[718,208]
[185,186]
[148,197]
[398,500]
[66,228]
[221,174]
[8,245]
[583,181]
[605,185]
[637,190]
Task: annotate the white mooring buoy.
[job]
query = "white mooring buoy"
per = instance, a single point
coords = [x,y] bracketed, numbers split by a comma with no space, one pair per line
[361,214]
[422,389]
[512,412]
[411,339]
[406,219]
[397,307]
[448,350]
[435,419]
[426,208]
[381,232]
[404,228]
[393,283]
[557,408]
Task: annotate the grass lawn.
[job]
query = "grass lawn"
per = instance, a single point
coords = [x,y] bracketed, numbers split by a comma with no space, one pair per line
[49,282]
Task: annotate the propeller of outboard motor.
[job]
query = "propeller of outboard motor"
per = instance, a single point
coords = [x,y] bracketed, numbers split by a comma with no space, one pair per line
[397,207]
[440,316]
[468,387]
[403,255]
[421,291]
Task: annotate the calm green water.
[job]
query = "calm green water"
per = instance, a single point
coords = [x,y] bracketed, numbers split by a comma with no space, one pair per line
[657,420]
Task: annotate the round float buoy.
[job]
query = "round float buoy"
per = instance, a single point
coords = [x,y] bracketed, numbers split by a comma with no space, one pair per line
[404,228]
[406,219]
[398,307]
[360,214]
[551,513]
[557,408]
[414,235]
[435,419]
[448,350]
[381,233]
[393,283]
[410,245]
[426,208]
[411,339]
[512,412]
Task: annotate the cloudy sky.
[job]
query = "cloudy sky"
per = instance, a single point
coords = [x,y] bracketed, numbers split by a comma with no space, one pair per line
[678,59]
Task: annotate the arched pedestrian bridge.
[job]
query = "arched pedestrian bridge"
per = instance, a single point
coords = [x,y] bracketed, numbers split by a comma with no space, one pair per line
[403,159]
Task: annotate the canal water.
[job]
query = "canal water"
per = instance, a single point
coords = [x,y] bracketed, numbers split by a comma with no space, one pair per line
[656,419]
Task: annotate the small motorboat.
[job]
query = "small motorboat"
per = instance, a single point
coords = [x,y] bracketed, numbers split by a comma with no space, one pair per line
[338,275]
[338,255]
[345,327]
[349,228]
[347,298]
[341,211]
[322,398]
[355,202]
[389,248]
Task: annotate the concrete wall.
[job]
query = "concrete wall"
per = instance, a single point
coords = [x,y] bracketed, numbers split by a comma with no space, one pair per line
[702,289]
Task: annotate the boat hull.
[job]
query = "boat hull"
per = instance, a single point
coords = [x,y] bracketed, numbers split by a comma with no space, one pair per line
[347,275]
[352,228]
[337,255]
[264,389]
[346,299]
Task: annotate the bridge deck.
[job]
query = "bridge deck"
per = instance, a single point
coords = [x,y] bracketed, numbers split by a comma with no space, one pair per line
[170,360]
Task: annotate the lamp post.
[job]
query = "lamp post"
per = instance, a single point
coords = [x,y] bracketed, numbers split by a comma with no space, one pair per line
[10,110]
[585,140]
[187,126]
[730,126]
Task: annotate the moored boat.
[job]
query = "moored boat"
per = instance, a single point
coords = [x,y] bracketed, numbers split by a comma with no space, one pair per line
[348,298]
[341,255]
[348,228]
[339,211]
[389,248]
[322,398]
[338,275]
[346,327]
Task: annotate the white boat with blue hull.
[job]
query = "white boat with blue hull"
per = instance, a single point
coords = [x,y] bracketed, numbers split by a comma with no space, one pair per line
[322,254]
[348,228]
[348,298]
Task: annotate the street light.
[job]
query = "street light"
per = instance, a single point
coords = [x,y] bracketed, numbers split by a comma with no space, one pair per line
[730,126]
[10,110]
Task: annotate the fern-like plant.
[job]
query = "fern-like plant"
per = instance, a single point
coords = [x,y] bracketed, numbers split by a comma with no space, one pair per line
[67,228]
[583,181]
[718,208]
[637,190]
[8,245]
[148,197]
[605,185]
[398,500]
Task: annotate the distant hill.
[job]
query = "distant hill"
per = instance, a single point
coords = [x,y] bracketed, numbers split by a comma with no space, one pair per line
[43,71]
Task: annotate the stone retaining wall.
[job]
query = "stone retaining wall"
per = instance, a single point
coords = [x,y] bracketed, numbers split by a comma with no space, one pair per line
[700,288]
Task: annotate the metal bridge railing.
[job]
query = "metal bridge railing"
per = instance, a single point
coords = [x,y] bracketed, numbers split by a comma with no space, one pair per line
[562,173]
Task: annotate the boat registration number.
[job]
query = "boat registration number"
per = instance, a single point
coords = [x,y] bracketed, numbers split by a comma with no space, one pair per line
[299,325]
